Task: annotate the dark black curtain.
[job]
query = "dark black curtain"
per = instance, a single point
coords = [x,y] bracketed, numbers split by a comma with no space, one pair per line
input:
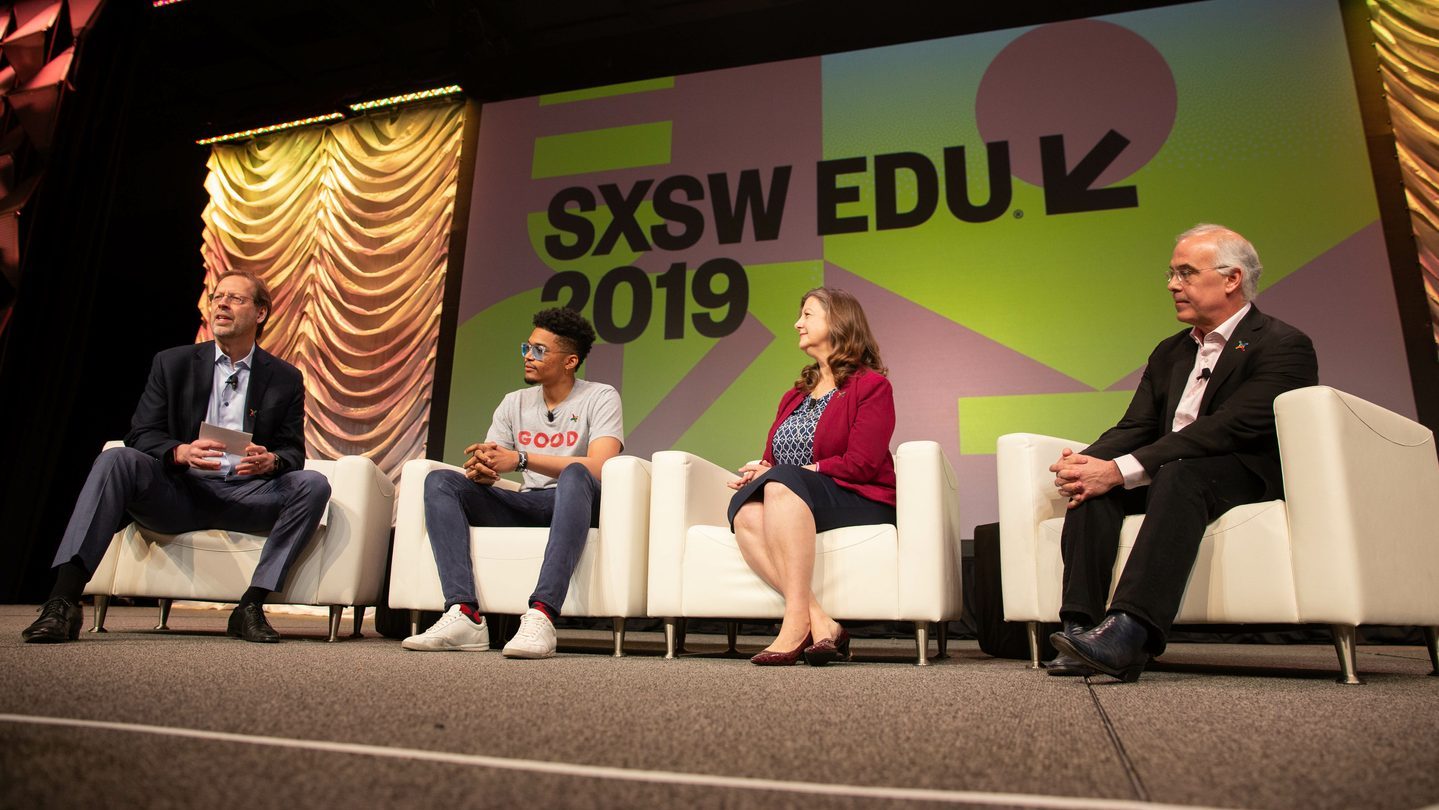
[111,270]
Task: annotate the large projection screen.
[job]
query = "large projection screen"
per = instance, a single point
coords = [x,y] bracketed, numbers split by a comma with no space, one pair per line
[1004,205]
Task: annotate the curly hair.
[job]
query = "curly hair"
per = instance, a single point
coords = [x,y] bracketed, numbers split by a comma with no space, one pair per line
[854,343]
[570,326]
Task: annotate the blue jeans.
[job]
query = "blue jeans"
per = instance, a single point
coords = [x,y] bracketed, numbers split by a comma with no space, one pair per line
[454,503]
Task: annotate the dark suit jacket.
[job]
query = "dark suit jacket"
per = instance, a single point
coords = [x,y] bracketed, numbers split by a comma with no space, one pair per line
[1264,358]
[851,441]
[177,396]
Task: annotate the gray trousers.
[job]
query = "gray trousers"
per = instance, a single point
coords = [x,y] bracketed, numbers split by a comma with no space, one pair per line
[126,484]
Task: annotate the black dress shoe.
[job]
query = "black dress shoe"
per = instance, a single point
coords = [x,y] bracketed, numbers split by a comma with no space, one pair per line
[1115,647]
[1063,665]
[59,621]
[248,622]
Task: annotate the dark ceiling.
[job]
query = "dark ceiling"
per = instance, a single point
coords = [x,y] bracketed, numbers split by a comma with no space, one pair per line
[222,65]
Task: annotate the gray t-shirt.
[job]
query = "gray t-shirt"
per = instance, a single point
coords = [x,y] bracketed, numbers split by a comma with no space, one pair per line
[591,411]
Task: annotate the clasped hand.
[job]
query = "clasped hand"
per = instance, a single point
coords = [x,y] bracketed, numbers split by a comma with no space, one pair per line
[487,460]
[1081,477]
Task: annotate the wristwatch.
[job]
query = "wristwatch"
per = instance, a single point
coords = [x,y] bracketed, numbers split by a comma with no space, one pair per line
[524,461]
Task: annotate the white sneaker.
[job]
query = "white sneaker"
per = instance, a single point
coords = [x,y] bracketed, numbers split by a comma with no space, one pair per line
[454,631]
[536,638]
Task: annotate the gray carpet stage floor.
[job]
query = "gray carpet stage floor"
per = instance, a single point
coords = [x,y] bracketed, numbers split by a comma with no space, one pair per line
[189,718]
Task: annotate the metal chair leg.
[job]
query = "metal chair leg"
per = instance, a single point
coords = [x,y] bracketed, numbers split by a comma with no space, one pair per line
[359,622]
[1348,655]
[102,604]
[921,642]
[732,634]
[943,640]
[619,634]
[1032,630]
[414,622]
[337,612]
[1431,640]
[671,630]
[164,615]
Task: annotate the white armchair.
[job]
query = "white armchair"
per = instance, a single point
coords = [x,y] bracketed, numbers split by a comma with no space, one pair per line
[609,580]
[1356,540]
[904,572]
[342,565]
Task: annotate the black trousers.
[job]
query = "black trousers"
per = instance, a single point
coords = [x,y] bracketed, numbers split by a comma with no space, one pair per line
[1184,497]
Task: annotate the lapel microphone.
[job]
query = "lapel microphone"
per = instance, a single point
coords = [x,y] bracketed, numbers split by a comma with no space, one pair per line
[1203,374]
[234,381]
[550,415]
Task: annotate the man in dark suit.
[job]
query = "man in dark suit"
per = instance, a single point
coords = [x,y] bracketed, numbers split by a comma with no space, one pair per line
[1197,440]
[169,480]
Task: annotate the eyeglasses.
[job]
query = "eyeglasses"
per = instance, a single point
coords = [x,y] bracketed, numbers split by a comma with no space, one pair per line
[233,299]
[537,351]
[1186,274]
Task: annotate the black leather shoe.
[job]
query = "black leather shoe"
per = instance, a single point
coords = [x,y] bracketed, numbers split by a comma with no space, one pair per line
[1115,647]
[1063,665]
[248,622]
[1066,666]
[59,621]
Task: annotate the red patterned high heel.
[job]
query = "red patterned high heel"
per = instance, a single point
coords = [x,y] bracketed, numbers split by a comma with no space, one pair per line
[829,649]
[772,658]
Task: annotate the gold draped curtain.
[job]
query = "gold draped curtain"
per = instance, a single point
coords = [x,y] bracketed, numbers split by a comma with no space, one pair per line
[349,224]
[1406,33]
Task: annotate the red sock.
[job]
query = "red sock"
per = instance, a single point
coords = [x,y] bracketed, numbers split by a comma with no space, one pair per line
[473,612]
[545,609]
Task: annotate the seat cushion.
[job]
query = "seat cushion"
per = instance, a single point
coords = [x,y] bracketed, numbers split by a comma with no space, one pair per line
[211,564]
[1244,571]
[855,575]
[507,566]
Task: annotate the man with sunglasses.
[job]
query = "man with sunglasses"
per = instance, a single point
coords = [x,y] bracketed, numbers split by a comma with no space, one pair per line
[168,479]
[559,433]
[1197,440]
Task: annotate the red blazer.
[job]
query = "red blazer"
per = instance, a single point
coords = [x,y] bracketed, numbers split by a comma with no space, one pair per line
[851,441]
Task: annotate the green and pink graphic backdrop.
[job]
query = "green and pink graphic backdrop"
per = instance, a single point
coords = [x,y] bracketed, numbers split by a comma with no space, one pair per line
[1023,318]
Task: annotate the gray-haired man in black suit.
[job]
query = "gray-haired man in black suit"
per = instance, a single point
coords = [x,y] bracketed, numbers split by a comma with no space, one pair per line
[169,480]
[1198,439]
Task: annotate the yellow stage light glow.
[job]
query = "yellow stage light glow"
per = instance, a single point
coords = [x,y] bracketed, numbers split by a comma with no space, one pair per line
[250,133]
[420,95]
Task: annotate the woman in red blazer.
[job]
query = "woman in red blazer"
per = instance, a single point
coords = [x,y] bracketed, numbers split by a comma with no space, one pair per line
[826,465]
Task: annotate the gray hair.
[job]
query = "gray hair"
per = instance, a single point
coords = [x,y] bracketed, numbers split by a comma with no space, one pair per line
[1231,250]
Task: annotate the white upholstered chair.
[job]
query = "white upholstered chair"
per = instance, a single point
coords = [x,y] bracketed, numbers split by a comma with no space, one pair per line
[609,580]
[909,571]
[1355,541]
[342,565]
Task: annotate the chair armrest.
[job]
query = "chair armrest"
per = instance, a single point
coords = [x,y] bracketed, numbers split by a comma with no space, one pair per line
[414,578]
[929,532]
[1362,489]
[625,529]
[1027,498]
[362,504]
[686,491]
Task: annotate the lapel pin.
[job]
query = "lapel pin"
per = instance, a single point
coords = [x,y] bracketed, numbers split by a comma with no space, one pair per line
[252,413]
[1242,345]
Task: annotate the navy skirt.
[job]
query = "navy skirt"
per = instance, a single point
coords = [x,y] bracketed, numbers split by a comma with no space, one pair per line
[832,505]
